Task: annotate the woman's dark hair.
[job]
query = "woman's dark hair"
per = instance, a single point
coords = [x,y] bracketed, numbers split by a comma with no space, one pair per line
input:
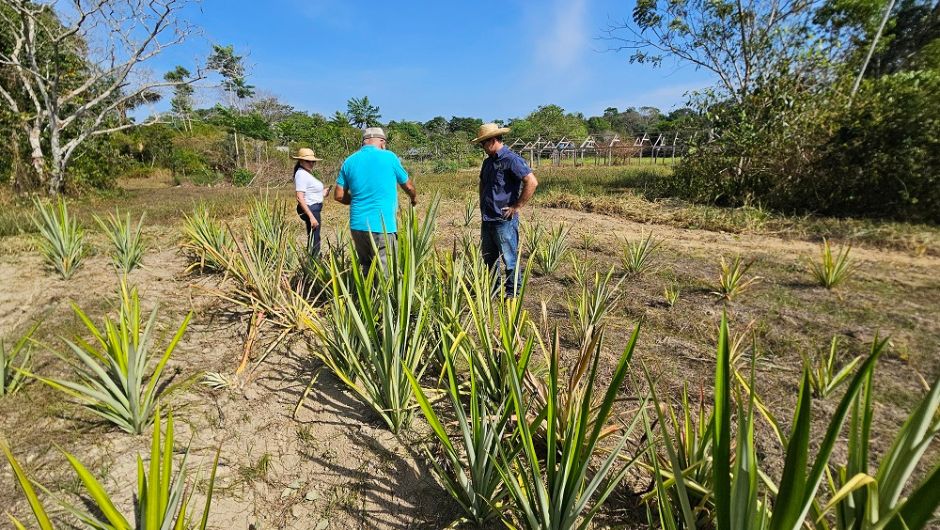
[296,167]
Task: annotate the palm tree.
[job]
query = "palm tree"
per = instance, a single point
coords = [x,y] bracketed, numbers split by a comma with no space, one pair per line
[362,113]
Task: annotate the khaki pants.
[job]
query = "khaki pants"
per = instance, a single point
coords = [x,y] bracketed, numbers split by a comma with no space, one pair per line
[368,244]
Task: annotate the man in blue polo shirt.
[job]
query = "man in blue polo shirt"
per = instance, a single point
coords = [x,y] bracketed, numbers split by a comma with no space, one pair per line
[506,185]
[367,183]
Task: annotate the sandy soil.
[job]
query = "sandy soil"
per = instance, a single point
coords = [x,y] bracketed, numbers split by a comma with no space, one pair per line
[334,465]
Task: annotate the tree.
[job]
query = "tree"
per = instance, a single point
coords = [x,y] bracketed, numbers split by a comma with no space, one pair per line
[298,128]
[523,128]
[470,126]
[681,118]
[404,135]
[551,121]
[361,113]
[182,102]
[910,41]
[271,109]
[232,69]
[74,75]
[741,42]
[597,124]
[436,126]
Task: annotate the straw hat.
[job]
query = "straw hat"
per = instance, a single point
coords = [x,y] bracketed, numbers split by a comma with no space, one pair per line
[489,130]
[305,153]
[373,132]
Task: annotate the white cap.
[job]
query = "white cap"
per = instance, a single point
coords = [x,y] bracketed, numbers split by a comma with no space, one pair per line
[373,132]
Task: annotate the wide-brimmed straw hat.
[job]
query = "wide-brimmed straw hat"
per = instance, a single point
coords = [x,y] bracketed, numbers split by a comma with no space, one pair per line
[489,130]
[305,153]
[373,132]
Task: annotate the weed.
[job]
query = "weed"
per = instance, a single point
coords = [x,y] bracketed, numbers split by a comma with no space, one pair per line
[671,295]
[256,471]
[305,435]
[549,257]
[731,281]
[12,376]
[638,256]
[830,272]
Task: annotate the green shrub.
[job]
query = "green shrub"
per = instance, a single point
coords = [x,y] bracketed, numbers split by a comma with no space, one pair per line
[242,177]
[206,177]
[187,162]
[96,164]
[445,166]
[884,157]
[795,150]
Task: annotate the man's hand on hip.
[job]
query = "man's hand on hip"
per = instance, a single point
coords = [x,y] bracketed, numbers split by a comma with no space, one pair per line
[510,211]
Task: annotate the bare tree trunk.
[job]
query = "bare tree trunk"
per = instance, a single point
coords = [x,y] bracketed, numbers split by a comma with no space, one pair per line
[57,171]
[237,157]
[16,168]
[34,136]
[56,179]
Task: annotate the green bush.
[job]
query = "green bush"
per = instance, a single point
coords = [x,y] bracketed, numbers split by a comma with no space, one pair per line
[242,177]
[445,166]
[813,152]
[95,165]
[884,157]
[187,162]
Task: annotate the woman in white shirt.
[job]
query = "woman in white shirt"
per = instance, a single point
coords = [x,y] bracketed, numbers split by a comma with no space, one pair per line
[310,193]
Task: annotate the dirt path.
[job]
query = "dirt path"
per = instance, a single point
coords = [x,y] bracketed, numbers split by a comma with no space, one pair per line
[610,229]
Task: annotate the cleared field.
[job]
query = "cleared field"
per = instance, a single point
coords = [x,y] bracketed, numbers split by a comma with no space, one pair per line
[320,459]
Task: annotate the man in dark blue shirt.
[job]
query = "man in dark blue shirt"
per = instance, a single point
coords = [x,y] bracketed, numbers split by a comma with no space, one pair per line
[506,185]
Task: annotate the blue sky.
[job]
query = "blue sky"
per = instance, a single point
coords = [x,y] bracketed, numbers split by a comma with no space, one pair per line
[420,59]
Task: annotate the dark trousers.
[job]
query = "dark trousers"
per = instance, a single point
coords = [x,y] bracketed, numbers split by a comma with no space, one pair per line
[500,239]
[370,245]
[313,235]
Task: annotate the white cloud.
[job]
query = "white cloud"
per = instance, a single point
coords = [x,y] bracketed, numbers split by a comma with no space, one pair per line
[332,13]
[564,43]
[561,41]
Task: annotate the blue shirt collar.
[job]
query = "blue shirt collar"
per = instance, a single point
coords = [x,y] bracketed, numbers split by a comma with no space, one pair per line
[503,151]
